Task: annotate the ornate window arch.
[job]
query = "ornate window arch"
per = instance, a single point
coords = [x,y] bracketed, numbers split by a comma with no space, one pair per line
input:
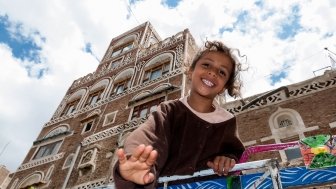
[68,161]
[49,172]
[63,128]
[34,179]
[96,92]
[157,67]
[285,124]
[122,81]
[123,45]
[73,102]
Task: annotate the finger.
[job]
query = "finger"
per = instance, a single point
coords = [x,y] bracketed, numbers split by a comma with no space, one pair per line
[152,158]
[148,178]
[232,163]
[221,166]
[137,153]
[227,166]
[145,154]
[121,156]
[216,165]
[210,164]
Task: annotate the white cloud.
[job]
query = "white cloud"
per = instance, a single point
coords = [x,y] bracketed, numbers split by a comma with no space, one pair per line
[65,27]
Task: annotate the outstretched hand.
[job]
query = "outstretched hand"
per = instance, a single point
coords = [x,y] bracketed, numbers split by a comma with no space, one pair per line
[222,165]
[137,167]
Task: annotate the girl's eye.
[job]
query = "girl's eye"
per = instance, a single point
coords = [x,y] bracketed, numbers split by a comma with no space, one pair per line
[222,73]
[205,65]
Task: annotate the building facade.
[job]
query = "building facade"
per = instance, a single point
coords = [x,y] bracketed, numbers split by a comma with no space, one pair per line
[4,177]
[287,114]
[75,148]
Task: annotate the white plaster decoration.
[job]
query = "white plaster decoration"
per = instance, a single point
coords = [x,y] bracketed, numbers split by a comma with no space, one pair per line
[68,161]
[297,127]
[160,58]
[101,84]
[94,112]
[91,184]
[326,81]
[179,57]
[143,53]
[14,184]
[127,73]
[112,131]
[110,118]
[88,159]
[49,172]
[332,124]
[40,161]
[263,139]
[34,178]
[57,131]
[114,97]
[250,143]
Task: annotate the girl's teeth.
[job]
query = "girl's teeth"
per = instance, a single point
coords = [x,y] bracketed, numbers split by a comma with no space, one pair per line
[208,83]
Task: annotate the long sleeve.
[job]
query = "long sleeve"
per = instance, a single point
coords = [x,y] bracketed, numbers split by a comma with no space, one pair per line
[153,132]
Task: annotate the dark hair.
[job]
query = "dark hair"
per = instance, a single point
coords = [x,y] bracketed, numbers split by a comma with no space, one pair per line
[234,83]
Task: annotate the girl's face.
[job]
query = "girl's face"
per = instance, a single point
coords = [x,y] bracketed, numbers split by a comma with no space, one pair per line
[210,75]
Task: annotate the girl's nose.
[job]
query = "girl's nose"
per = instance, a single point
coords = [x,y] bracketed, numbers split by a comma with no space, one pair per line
[212,73]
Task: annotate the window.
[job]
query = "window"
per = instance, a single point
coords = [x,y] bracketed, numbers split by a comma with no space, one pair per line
[115,63]
[293,153]
[94,97]
[284,121]
[49,149]
[122,49]
[156,72]
[87,126]
[110,118]
[144,109]
[68,161]
[121,86]
[71,107]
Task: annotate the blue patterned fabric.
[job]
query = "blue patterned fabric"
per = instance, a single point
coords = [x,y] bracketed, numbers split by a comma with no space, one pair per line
[296,176]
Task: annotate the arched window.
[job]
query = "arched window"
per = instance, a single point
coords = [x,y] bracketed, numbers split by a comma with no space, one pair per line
[284,120]
[48,175]
[143,110]
[123,45]
[57,131]
[33,180]
[157,67]
[96,92]
[122,81]
[72,102]
[48,149]
[68,161]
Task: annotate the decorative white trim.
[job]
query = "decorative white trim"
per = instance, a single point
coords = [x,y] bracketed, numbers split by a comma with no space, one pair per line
[91,184]
[313,85]
[112,131]
[40,161]
[72,155]
[111,117]
[114,97]
[332,124]
[249,143]
[267,138]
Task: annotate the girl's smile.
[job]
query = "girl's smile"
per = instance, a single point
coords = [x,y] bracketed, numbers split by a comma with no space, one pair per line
[210,74]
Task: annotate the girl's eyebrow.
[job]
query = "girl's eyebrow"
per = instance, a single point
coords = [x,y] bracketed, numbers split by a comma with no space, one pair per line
[209,59]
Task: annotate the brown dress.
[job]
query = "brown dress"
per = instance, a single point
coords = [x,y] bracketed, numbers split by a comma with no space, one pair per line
[184,142]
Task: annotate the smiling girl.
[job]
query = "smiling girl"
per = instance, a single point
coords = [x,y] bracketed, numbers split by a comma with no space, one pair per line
[189,134]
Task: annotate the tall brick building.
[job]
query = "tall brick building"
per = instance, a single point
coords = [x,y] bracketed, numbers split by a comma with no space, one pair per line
[75,149]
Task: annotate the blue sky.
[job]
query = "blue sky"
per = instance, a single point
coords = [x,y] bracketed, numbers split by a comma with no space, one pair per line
[46,45]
